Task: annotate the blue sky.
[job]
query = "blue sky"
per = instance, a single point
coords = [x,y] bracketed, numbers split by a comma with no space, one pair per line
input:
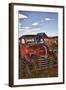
[31,22]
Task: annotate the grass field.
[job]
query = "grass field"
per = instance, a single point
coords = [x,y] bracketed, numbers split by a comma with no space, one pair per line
[31,70]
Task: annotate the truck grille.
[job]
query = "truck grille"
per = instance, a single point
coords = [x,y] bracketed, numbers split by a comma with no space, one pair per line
[42,62]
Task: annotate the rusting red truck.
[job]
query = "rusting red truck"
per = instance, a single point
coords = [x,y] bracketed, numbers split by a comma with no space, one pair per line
[32,46]
[36,58]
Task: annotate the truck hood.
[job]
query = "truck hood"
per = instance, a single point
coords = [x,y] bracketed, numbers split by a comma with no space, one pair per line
[36,46]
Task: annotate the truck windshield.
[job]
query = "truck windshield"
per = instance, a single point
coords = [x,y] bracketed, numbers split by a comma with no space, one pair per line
[33,41]
[30,40]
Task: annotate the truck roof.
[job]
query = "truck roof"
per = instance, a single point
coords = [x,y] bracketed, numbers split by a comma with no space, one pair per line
[26,36]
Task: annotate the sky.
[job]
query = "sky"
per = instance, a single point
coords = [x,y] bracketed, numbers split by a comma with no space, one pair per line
[33,22]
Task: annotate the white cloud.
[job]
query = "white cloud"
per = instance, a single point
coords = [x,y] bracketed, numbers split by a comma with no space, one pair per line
[25,27]
[48,19]
[24,31]
[35,24]
[35,29]
[21,16]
